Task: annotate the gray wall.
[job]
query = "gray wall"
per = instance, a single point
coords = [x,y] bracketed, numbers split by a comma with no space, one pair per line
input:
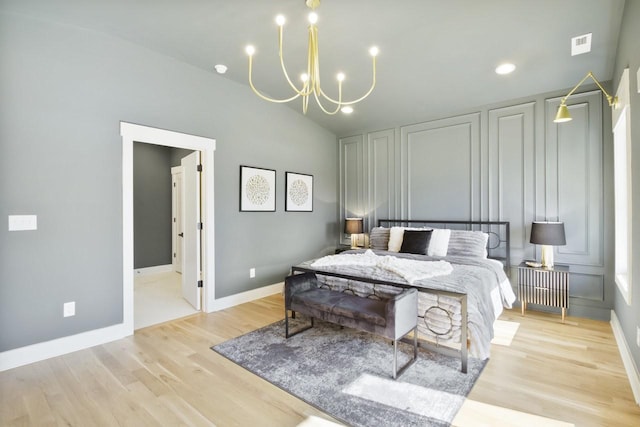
[151,205]
[506,162]
[64,91]
[629,56]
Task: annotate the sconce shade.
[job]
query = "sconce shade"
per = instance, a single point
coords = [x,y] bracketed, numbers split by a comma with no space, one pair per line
[547,233]
[562,115]
[353,226]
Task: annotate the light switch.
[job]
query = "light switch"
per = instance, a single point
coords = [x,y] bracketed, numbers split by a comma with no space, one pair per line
[23,222]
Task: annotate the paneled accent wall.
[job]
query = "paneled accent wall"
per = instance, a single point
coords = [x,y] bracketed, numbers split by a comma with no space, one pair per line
[511,169]
[503,163]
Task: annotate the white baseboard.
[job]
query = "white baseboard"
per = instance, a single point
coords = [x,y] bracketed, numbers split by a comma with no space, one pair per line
[243,297]
[34,353]
[627,358]
[156,269]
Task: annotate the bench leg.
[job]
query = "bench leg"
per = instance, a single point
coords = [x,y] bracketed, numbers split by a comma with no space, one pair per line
[286,325]
[396,372]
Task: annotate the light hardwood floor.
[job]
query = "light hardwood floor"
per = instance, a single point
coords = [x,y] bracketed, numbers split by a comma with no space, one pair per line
[167,375]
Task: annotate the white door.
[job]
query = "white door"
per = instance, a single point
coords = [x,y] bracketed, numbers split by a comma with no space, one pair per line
[176,219]
[191,219]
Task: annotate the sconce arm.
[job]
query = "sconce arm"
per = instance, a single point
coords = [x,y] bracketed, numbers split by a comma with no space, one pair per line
[613,100]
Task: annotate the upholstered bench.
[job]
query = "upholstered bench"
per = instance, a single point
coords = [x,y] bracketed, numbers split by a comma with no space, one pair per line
[391,318]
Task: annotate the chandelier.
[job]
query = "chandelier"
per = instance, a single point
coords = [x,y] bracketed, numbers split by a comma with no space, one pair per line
[311,79]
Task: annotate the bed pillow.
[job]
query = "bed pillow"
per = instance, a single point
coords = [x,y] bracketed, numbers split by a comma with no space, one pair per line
[415,242]
[439,242]
[395,239]
[468,243]
[379,238]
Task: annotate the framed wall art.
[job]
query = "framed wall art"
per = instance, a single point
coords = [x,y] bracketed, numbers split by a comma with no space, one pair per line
[299,192]
[257,189]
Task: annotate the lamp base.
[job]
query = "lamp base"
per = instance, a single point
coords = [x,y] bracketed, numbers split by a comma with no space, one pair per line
[547,256]
[354,241]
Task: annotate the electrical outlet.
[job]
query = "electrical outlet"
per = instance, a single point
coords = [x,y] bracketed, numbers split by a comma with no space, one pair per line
[638,336]
[69,309]
[252,273]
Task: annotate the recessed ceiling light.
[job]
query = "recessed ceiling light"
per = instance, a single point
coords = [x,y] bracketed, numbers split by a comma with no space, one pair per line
[505,68]
[220,69]
[347,110]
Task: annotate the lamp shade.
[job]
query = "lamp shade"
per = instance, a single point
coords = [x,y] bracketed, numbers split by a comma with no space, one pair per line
[353,225]
[562,115]
[547,233]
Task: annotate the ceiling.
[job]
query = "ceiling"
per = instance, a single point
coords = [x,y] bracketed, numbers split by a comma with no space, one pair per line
[436,57]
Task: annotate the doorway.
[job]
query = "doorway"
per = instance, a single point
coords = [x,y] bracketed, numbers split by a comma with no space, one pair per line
[137,133]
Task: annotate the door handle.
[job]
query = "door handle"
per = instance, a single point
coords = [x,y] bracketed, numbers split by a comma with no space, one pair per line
[181,234]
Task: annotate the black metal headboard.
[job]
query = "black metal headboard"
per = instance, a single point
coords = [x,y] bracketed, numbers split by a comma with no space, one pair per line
[498,244]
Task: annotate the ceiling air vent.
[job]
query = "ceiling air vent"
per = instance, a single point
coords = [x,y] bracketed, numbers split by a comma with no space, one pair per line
[581,44]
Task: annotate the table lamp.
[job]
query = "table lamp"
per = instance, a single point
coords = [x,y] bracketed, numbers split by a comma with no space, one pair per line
[353,226]
[547,234]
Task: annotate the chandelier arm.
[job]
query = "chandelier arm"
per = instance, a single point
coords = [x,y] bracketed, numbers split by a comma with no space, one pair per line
[322,107]
[266,98]
[301,92]
[373,85]
[331,113]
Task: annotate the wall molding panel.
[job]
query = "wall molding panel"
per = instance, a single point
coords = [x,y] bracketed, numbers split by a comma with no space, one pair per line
[511,168]
[424,147]
[574,172]
[381,177]
[352,181]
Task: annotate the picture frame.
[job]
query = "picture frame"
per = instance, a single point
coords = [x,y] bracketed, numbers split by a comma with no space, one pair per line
[257,189]
[298,192]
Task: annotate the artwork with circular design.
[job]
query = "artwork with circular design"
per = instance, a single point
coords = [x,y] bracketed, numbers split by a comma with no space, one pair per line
[299,192]
[257,189]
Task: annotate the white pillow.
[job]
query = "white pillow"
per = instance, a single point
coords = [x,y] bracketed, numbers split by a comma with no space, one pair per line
[395,239]
[439,242]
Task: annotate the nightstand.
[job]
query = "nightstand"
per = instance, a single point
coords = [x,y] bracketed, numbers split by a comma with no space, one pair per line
[544,286]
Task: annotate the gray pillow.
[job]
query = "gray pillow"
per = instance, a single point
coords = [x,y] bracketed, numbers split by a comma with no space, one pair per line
[468,243]
[379,238]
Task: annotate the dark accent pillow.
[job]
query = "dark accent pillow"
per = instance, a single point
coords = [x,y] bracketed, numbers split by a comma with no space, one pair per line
[416,242]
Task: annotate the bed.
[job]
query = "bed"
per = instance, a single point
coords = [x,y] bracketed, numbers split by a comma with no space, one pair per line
[458,267]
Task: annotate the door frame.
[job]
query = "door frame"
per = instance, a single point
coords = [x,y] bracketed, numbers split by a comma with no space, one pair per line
[138,133]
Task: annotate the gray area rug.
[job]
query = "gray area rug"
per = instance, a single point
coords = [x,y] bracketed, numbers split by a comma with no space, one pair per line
[347,374]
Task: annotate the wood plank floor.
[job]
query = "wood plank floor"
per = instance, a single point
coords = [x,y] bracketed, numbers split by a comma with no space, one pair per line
[167,375]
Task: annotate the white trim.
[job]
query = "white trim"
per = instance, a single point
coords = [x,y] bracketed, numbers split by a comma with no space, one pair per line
[156,269]
[137,133]
[34,353]
[248,296]
[627,358]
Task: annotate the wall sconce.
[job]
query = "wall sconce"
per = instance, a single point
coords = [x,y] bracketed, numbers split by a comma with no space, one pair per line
[563,112]
[353,226]
[547,234]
